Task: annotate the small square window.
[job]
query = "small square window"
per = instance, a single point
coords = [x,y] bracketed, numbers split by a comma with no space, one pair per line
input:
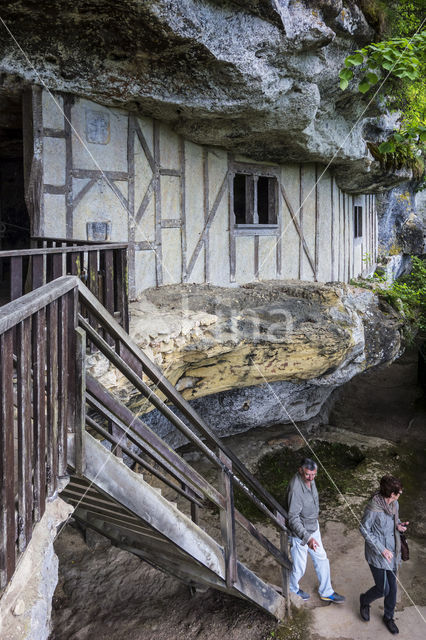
[255,199]
[357,221]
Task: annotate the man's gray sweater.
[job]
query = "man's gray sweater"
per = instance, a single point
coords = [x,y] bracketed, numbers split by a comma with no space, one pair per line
[303,508]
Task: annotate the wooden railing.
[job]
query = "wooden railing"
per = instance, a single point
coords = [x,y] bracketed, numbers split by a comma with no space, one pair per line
[118,425]
[45,393]
[102,267]
[38,399]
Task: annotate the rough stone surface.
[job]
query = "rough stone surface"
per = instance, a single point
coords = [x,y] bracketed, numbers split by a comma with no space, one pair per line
[260,354]
[258,77]
[400,229]
[25,607]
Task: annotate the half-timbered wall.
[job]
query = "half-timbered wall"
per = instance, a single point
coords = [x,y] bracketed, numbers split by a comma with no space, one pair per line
[172,200]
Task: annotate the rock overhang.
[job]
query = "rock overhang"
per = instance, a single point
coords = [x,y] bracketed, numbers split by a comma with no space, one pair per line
[258,78]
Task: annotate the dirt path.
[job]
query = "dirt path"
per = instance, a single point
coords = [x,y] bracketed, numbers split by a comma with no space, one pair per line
[108,594]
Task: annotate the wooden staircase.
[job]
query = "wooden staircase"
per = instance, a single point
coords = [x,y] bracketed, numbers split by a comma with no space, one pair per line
[86,434]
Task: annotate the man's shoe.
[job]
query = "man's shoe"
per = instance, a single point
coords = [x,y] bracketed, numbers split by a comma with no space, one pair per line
[335,597]
[303,594]
[390,623]
[364,609]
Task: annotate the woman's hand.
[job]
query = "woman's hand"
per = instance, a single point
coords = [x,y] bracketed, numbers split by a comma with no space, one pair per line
[402,526]
[388,555]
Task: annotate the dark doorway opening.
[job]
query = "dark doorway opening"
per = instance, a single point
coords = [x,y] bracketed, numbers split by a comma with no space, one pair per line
[14,218]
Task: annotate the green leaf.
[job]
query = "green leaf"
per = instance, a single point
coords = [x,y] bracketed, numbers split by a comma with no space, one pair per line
[343,84]
[398,137]
[346,74]
[387,147]
[422,136]
[372,78]
[372,63]
[387,65]
[355,60]
[364,86]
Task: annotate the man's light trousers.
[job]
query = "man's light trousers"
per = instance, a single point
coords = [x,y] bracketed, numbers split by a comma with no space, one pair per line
[299,554]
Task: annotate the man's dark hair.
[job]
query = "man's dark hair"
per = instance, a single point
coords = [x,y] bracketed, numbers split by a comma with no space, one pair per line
[390,485]
[309,464]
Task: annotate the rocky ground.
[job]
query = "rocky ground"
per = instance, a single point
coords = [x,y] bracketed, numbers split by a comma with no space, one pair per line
[109,594]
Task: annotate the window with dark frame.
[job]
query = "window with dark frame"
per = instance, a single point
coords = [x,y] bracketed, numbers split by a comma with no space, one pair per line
[357,221]
[255,199]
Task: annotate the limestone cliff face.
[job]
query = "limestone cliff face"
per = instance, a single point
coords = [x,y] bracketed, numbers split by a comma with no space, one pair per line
[260,354]
[258,77]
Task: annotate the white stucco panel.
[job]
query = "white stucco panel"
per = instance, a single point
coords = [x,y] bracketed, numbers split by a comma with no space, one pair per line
[146,126]
[53,111]
[145,226]
[193,195]
[54,161]
[110,152]
[143,175]
[219,245]
[169,148]
[290,237]
[144,270]
[268,257]
[324,227]
[244,259]
[170,197]
[172,256]
[101,204]
[54,216]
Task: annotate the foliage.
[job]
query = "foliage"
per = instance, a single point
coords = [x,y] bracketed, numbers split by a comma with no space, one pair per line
[408,294]
[402,57]
[399,64]
[398,156]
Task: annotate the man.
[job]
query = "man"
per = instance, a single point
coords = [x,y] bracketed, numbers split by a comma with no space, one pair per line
[303,509]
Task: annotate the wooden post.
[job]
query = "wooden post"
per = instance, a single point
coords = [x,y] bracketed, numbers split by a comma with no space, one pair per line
[284,546]
[80,400]
[227,521]
[194,507]
[7,463]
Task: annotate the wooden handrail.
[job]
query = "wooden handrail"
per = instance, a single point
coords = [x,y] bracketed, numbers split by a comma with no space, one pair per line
[43,338]
[71,241]
[18,253]
[15,312]
[156,376]
[38,396]
[108,337]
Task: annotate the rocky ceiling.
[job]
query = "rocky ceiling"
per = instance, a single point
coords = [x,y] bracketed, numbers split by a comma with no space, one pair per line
[258,77]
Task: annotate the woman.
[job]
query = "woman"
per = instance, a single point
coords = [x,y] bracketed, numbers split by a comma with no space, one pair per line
[381,529]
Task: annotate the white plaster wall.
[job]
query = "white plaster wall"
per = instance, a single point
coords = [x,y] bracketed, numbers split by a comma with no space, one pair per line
[245,259]
[268,257]
[308,219]
[194,207]
[290,237]
[100,203]
[54,161]
[144,270]
[52,107]
[89,155]
[324,227]
[336,232]
[169,148]
[219,266]
[172,255]
[54,216]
